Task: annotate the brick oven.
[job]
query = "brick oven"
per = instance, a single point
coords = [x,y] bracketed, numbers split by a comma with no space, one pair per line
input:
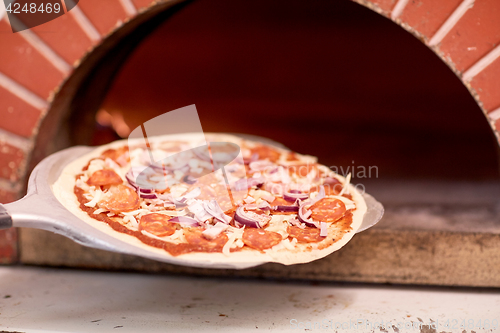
[327,78]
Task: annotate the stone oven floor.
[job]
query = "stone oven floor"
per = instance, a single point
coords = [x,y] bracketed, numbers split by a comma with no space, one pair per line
[432,233]
[34,299]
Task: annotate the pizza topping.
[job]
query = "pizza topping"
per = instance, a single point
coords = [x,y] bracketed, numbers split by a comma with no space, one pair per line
[306,235]
[157,224]
[212,232]
[282,206]
[347,181]
[117,155]
[260,239]
[265,152]
[184,221]
[253,219]
[216,211]
[277,198]
[327,210]
[295,195]
[120,198]
[323,229]
[262,165]
[194,236]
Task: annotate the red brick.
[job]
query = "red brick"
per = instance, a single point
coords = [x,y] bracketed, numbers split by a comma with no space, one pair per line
[17,116]
[104,15]
[141,3]
[65,37]
[22,63]
[427,16]
[477,33]
[7,196]
[11,160]
[385,5]
[8,246]
[487,85]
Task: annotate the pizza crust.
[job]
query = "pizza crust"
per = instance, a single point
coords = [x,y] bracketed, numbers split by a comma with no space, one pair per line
[63,189]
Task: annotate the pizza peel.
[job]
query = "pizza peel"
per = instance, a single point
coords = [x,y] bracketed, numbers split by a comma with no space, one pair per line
[40,209]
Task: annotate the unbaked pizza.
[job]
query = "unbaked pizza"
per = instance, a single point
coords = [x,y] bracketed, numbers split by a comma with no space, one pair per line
[213,197]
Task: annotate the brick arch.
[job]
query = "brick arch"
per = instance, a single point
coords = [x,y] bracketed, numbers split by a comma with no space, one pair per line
[465,34]
[42,68]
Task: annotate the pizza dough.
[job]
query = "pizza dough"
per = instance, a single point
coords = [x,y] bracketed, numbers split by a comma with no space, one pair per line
[220,205]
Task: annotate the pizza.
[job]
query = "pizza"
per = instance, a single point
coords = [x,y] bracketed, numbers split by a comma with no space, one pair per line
[213,197]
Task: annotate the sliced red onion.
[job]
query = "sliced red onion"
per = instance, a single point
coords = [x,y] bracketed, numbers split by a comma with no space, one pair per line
[321,194]
[189,179]
[285,209]
[302,217]
[295,195]
[216,211]
[249,219]
[245,183]
[256,182]
[147,195]
[199,211]
[324,229]
[331,181]
[184,221]
[307,213]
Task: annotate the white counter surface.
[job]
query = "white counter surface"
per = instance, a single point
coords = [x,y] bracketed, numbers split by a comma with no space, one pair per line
[59,300]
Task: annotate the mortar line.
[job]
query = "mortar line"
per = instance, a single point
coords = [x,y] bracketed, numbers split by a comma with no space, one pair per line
[83,21]
[129,7]
[481,64]
[451,22]
[15,140]
[398,9]
[494,115]
[46,51]
[23,93]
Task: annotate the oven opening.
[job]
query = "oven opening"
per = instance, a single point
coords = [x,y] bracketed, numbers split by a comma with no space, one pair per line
[336,81]
[331,79]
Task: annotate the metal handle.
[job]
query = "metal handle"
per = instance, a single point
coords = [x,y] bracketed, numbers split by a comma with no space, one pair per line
[5,218]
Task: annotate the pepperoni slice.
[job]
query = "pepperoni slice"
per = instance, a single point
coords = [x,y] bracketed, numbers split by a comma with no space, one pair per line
[265,152]
[278,201]
[302,170]
[306,235]
[121,198]
[104,177]
[157,224]
[114,154]
[194,237]
[261,239]
[328,210]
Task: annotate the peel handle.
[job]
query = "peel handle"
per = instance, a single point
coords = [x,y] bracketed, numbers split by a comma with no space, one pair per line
[5,218]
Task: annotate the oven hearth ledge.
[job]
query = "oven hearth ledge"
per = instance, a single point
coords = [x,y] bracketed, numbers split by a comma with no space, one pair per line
[433,233]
